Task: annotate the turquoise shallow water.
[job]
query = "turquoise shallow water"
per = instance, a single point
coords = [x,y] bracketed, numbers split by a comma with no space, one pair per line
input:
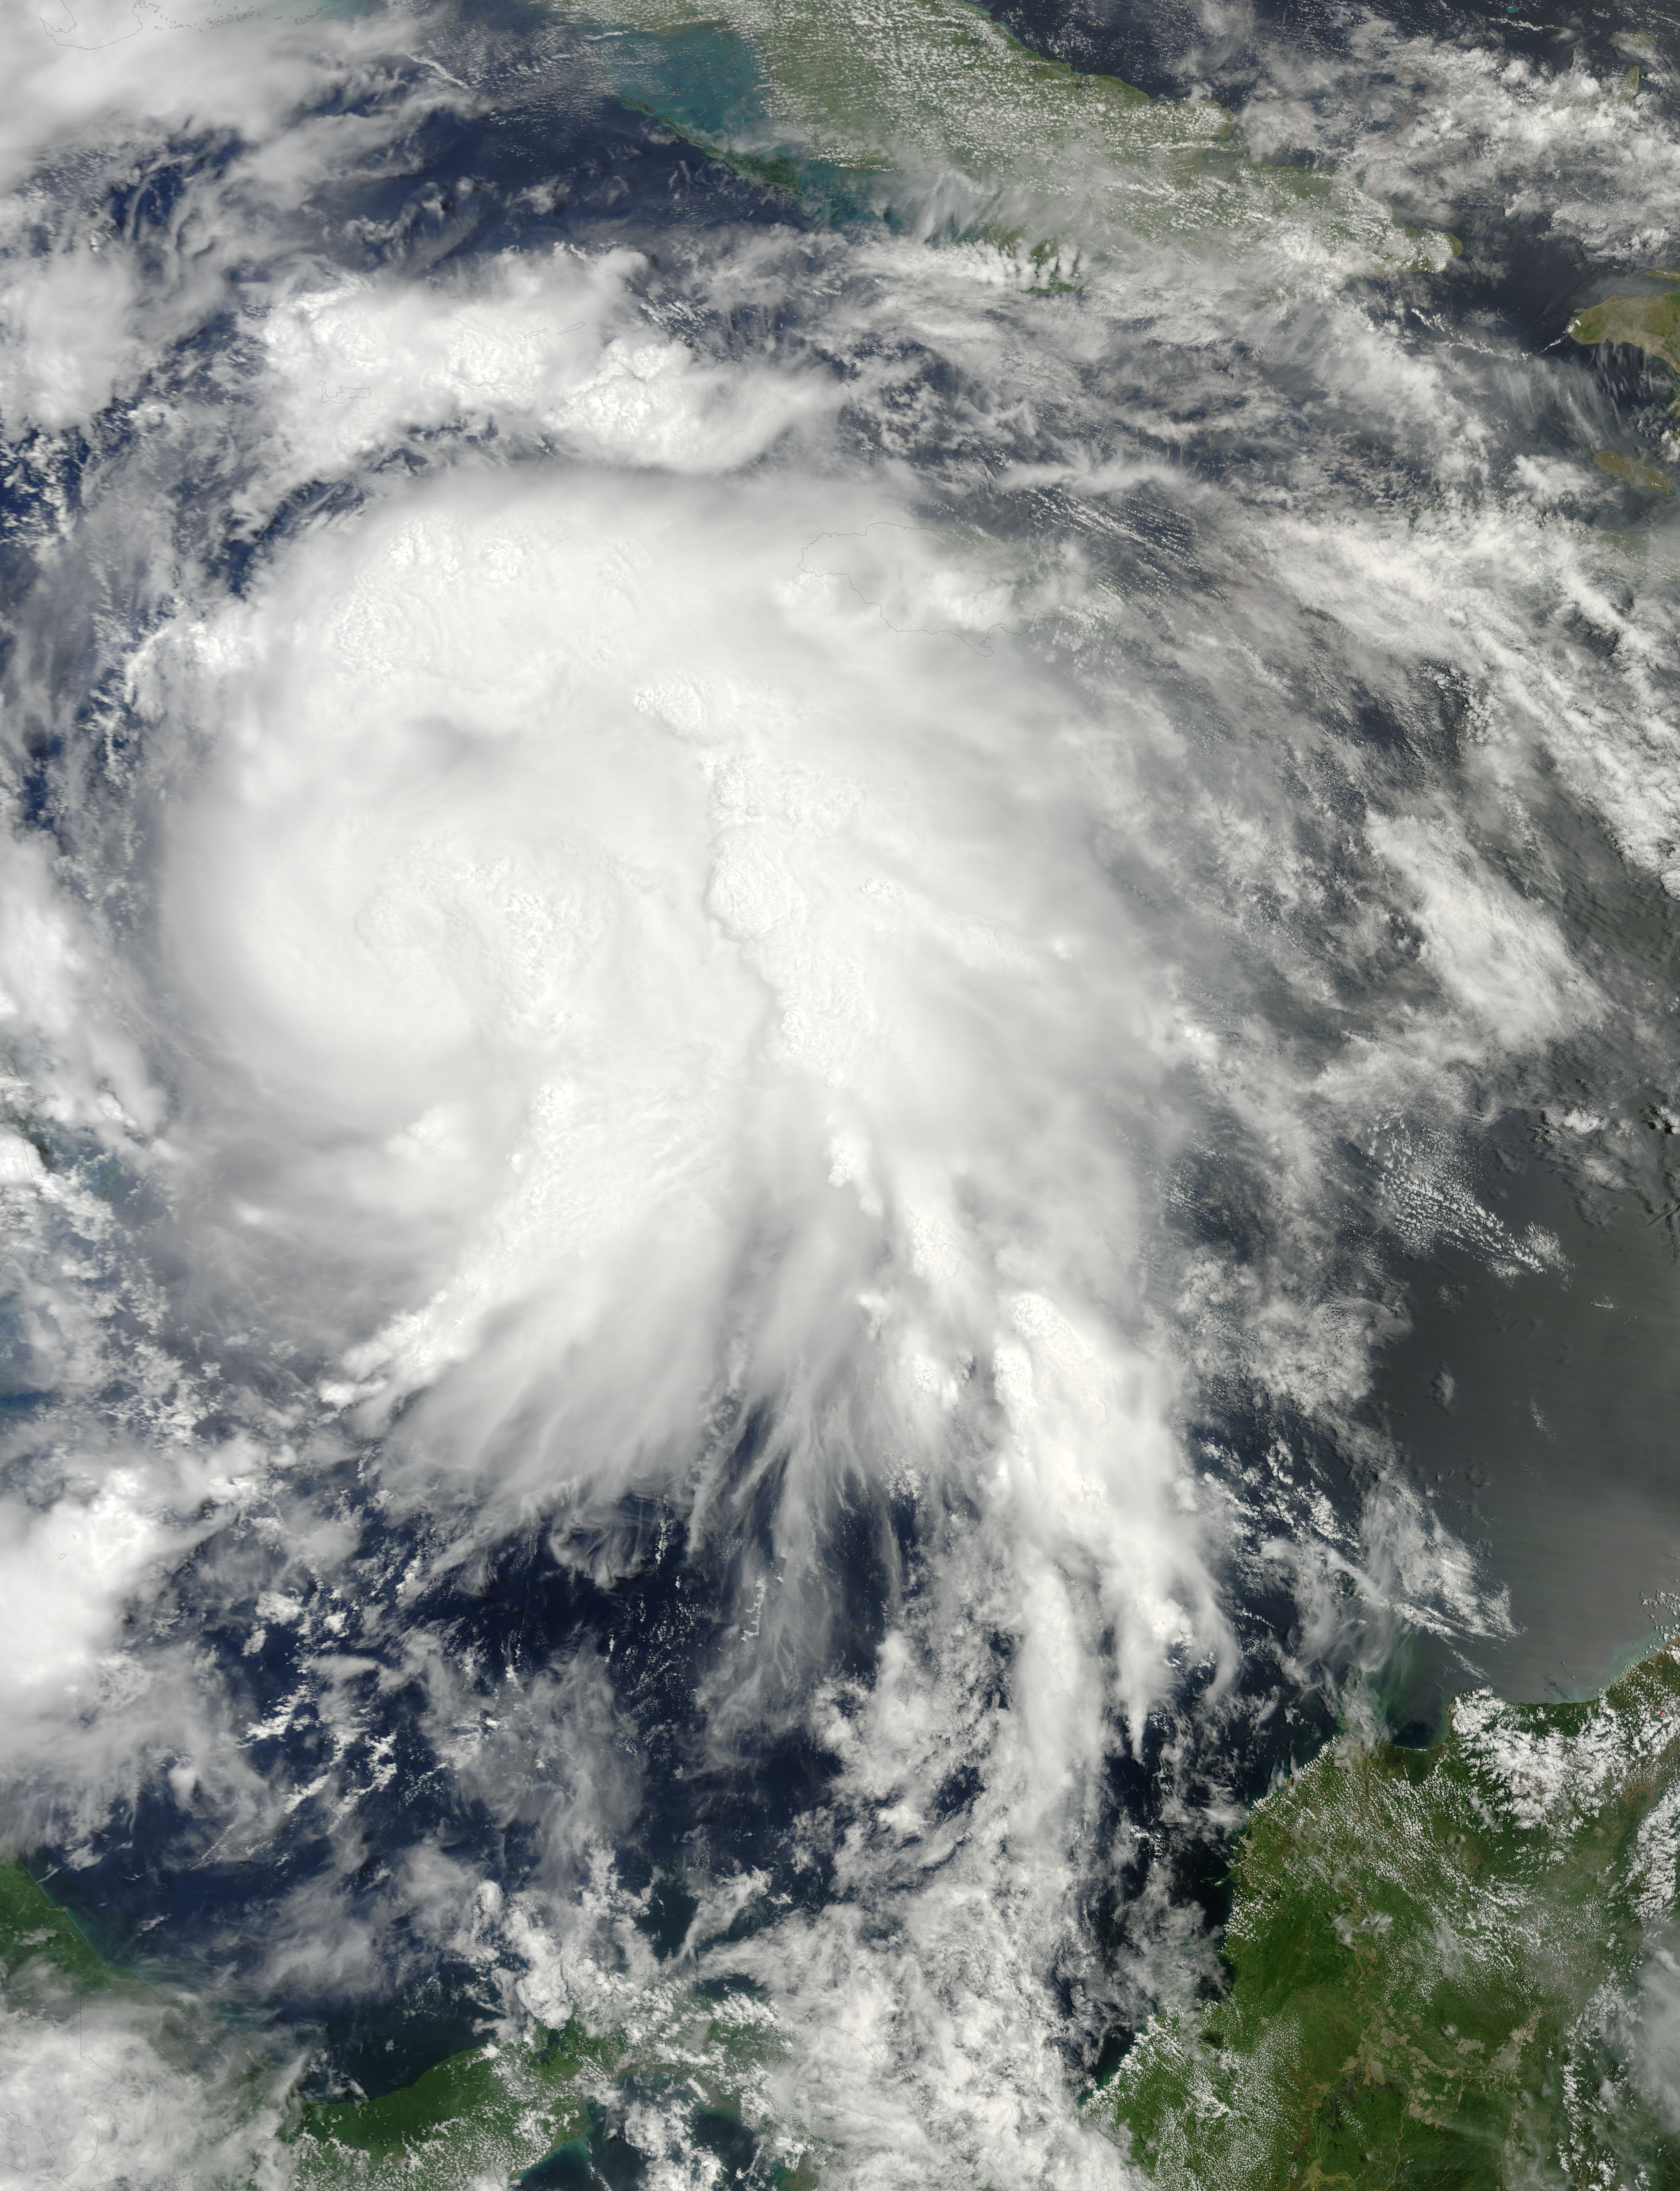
[705,82]
[703,79]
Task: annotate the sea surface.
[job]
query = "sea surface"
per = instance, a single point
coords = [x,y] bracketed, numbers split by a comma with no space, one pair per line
[838,1026]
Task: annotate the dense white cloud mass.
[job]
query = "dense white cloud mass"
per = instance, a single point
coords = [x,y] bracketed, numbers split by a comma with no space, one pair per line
[713,996]
[690,872]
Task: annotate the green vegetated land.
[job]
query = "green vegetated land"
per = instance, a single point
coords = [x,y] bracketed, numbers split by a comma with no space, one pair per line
[1447,1970]
[493,2114]
[531,2111]
[1440,1964]
[48,1962]
[1648,323]
[1651,324]
[868,88]
[484,2116]
[932,109]
[1646,477]
[50,1969]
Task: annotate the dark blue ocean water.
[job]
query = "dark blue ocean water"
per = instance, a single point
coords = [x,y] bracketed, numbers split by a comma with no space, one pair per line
[1532,1407]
